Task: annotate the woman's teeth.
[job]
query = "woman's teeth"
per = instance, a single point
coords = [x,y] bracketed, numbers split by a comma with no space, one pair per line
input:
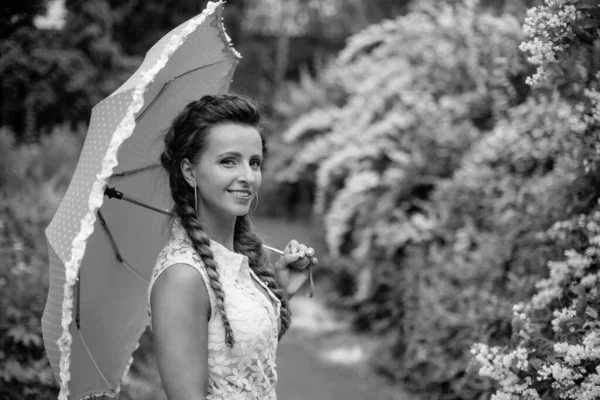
[241,194]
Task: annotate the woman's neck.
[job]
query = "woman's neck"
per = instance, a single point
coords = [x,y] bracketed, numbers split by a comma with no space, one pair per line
[220,230]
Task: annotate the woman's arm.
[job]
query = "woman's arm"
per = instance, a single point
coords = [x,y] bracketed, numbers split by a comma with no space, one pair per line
[180,310]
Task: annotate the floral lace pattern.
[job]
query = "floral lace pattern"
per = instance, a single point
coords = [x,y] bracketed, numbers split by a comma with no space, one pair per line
[246,371]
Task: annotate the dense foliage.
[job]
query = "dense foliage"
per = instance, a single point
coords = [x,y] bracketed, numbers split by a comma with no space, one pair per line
[555,347]
[52,76]
[435,165]
[48,78]
[33,179]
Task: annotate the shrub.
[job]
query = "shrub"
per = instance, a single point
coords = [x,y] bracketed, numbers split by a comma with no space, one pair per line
[33,179]
[488,250]
[555,344]
[419,90]
[553,349]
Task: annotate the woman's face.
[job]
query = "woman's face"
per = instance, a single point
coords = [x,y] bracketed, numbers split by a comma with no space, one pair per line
[228,171]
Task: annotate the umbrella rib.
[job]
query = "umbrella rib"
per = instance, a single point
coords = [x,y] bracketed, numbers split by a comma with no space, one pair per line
[274,250]
[116,249]
[134,171]
[111,192]
[94,361]
[110,237]
[171,81]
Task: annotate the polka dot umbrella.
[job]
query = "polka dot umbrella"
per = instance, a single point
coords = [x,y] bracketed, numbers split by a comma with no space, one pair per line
[101,250]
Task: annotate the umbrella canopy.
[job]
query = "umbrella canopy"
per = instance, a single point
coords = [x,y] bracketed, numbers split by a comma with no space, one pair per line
[101,253]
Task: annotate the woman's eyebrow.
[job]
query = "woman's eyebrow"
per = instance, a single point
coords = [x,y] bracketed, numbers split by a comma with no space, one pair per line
[230,153]
[237,154]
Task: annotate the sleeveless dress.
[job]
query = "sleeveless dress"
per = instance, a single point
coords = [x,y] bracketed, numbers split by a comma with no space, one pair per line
[246,371]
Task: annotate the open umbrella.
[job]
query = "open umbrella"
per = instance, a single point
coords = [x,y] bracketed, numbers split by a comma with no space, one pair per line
[101,253]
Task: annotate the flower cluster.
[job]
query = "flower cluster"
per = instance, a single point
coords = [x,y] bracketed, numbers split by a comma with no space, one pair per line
[555,348]
[552,29]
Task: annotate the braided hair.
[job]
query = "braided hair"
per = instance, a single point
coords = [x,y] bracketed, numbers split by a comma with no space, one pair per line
[186,138]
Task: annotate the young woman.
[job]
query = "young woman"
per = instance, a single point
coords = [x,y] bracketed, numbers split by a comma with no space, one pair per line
[217,309]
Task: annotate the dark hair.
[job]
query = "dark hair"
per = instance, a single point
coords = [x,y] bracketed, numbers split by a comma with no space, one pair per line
[186,139]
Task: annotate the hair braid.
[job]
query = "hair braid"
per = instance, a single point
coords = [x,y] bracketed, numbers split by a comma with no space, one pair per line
[248,243]
[201,243]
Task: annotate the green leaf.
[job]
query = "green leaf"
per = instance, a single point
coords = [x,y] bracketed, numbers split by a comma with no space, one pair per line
[588,4]
[592,313]
[555,69]
[536,363]
[17,332]
[578,30]
[589,23]
[31,340]
[594,11]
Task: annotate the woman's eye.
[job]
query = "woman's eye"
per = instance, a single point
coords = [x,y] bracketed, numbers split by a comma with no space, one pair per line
[228,161]
[255,163]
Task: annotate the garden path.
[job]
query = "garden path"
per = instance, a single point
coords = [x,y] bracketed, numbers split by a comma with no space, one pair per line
[318,359]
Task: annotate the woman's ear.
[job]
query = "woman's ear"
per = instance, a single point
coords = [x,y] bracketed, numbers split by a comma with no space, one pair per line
[187,170]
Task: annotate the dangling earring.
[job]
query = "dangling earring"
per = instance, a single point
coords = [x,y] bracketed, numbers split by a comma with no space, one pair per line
[254,209]
[196,199]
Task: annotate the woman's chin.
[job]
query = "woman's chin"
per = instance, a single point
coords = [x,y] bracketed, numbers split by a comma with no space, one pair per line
[240,211]
[243,213]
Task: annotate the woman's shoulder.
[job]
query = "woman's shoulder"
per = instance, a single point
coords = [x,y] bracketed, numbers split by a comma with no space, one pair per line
[177,252]
[181,275]
[180,287]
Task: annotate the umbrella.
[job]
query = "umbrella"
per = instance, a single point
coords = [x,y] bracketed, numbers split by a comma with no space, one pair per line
[101,253]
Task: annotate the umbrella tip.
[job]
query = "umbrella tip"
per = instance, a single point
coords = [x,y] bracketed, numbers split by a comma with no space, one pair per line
[111,192]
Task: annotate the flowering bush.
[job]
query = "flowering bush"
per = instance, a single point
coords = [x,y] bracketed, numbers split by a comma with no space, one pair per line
[555,345]
[409,97]
[486,252]
[557,29]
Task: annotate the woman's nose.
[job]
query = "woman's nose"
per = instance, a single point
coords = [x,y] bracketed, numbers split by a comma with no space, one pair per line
[247,174]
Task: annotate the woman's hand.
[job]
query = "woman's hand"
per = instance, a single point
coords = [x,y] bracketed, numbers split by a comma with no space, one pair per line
[292,267]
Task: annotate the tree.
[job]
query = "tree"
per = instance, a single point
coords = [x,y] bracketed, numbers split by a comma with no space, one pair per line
[52,77]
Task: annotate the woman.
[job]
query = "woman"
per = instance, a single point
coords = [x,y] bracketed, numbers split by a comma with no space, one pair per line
[217,309]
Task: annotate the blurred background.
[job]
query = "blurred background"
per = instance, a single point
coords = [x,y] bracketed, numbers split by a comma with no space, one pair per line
[405,146]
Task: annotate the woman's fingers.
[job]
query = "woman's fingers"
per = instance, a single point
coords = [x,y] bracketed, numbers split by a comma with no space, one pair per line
[295,247]
[290,258]
[294,252]
[292,247]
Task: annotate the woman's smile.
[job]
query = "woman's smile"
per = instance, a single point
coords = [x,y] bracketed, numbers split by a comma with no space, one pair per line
[240,194]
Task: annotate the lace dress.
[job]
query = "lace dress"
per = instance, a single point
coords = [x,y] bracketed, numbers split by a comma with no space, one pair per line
[246,371]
